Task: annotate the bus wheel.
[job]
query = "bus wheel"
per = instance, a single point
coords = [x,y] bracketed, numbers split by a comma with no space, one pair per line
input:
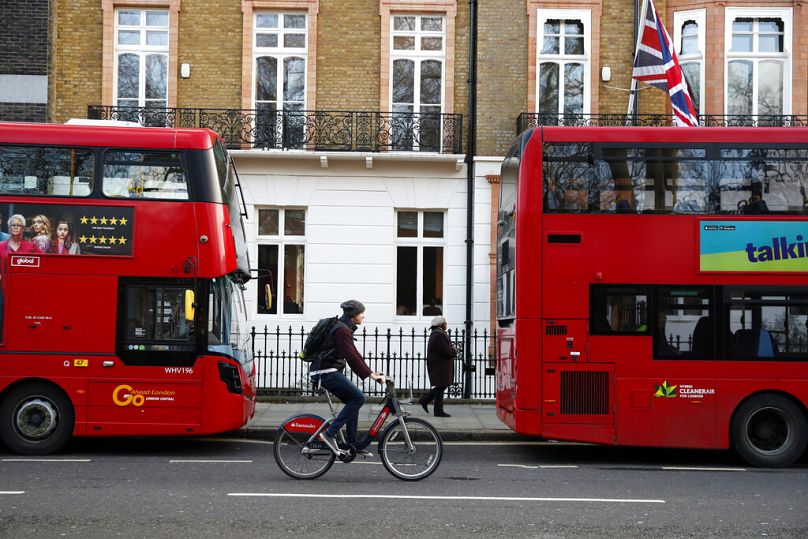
[36,419]
[770,431]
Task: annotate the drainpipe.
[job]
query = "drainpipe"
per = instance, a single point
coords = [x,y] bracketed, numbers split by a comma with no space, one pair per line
[468,365]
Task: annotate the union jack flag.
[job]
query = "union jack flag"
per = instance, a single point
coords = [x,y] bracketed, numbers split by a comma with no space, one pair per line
[656,64]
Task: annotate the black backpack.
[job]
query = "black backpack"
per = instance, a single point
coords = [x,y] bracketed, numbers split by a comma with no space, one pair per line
[317,338]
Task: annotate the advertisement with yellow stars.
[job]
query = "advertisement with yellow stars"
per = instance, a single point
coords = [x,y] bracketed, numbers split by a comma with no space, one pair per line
[67,230]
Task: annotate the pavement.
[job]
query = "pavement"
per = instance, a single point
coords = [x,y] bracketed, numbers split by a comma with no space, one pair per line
[468,421]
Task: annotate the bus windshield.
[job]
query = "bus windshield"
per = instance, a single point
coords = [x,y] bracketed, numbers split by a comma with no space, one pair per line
[227,320]
[230,192]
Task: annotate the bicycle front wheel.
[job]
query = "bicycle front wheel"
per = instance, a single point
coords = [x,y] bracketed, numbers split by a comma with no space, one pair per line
[415,462]
[298,459]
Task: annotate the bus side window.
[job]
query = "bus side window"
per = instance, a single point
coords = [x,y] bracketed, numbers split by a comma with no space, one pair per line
[619,310]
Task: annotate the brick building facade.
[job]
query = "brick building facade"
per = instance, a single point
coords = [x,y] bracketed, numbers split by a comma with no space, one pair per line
[24,60]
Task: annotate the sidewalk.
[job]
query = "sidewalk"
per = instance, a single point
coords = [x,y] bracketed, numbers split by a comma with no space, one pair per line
[474,422]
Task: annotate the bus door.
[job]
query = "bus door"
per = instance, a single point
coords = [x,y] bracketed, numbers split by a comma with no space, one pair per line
[577,393]
[153,384]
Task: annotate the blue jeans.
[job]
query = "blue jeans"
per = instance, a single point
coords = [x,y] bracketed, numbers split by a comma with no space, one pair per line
[342,388]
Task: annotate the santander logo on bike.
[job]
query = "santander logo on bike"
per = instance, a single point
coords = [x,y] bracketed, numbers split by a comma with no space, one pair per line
[303,425]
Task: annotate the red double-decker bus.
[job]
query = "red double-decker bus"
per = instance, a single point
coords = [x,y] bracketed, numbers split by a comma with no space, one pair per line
[652,288]
[122,262]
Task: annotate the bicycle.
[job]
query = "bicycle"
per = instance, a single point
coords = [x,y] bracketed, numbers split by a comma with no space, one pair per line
[410,448]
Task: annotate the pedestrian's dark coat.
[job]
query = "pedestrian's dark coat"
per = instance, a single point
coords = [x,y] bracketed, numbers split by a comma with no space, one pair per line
[440,356]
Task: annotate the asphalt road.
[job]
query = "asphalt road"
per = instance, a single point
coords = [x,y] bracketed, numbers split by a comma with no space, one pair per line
[223,488]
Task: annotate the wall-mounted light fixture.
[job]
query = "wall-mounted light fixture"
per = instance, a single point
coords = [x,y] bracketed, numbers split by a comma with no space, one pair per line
[606,73]
[185,71]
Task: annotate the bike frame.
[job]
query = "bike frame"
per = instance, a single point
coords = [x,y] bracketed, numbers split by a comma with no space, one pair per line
[390,406]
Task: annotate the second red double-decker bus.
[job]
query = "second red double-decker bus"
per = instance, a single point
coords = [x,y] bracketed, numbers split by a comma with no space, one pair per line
[652,288]
[123,259]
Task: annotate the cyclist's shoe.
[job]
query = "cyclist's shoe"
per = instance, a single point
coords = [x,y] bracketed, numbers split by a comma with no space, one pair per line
[329,441]
[365,453]
[442,414]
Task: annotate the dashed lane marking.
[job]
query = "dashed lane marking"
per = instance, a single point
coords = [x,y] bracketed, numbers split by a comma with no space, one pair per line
[4,492]
[209,461]
[46,460]
[701,469]
[454,498]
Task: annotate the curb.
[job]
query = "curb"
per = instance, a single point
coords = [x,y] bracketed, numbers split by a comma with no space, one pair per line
[448,435]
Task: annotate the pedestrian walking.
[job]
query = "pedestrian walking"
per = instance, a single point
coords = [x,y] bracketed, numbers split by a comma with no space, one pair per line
[440,354]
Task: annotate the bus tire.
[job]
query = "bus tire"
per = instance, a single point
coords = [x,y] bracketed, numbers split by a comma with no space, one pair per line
[36,418]
[770,431]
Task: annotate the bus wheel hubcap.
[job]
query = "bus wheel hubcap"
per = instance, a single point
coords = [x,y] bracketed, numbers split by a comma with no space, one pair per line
[769,430]
[36,419]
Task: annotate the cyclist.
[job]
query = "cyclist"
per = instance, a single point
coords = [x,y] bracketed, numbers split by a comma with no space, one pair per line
[338,350]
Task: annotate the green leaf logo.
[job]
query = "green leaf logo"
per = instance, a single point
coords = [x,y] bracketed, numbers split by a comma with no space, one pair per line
[665,391]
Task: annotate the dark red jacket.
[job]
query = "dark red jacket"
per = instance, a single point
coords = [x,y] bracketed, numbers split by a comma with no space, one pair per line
[344,343]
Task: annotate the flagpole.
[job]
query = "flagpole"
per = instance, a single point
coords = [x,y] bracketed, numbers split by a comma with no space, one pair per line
[634,82]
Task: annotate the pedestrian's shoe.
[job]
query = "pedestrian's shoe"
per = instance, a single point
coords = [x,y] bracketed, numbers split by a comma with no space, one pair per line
[329,440]
[423,405]
[442,414]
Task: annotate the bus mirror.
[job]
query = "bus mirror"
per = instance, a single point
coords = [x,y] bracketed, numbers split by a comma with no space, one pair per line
[189,305]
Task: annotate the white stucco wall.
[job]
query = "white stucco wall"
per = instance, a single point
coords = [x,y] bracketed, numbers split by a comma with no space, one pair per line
[350,237]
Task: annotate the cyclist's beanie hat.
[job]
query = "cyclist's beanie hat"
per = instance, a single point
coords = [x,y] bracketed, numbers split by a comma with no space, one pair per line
[352,307]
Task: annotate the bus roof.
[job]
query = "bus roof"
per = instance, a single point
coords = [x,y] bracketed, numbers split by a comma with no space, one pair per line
[739,135]
[113,136]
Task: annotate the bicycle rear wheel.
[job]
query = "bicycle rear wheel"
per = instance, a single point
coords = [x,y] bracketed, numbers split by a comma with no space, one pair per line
[298,459]
[415,464]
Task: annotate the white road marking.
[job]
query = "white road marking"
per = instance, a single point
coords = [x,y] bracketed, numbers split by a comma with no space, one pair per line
[702,469]
[12,492]
[46,460]
[558,466]
[209,461]
[525,466]
[460,498]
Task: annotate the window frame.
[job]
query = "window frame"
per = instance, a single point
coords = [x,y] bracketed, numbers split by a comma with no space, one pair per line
[699,16]
[109,61]
[142,51]
[561,59]
[280,53]
[445,8]
[281,240]
[419,242]
[248,8]
[786,14]
[418,57]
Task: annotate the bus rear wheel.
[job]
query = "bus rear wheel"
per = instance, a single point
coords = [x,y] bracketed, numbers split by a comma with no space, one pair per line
[770,431]
[36,419]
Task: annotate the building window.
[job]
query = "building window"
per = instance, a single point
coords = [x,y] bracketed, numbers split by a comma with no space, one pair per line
[280,49]
[281,260]
[141,58]
[419,262]
[563,61]
[758,68]
[689,39]
[418,55]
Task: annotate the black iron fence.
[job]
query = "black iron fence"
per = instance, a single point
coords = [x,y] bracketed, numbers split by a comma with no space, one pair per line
[399,353]
[527,120]
[306,130]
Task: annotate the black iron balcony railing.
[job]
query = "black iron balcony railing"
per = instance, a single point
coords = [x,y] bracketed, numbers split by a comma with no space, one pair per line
[306,130]
[527,120]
